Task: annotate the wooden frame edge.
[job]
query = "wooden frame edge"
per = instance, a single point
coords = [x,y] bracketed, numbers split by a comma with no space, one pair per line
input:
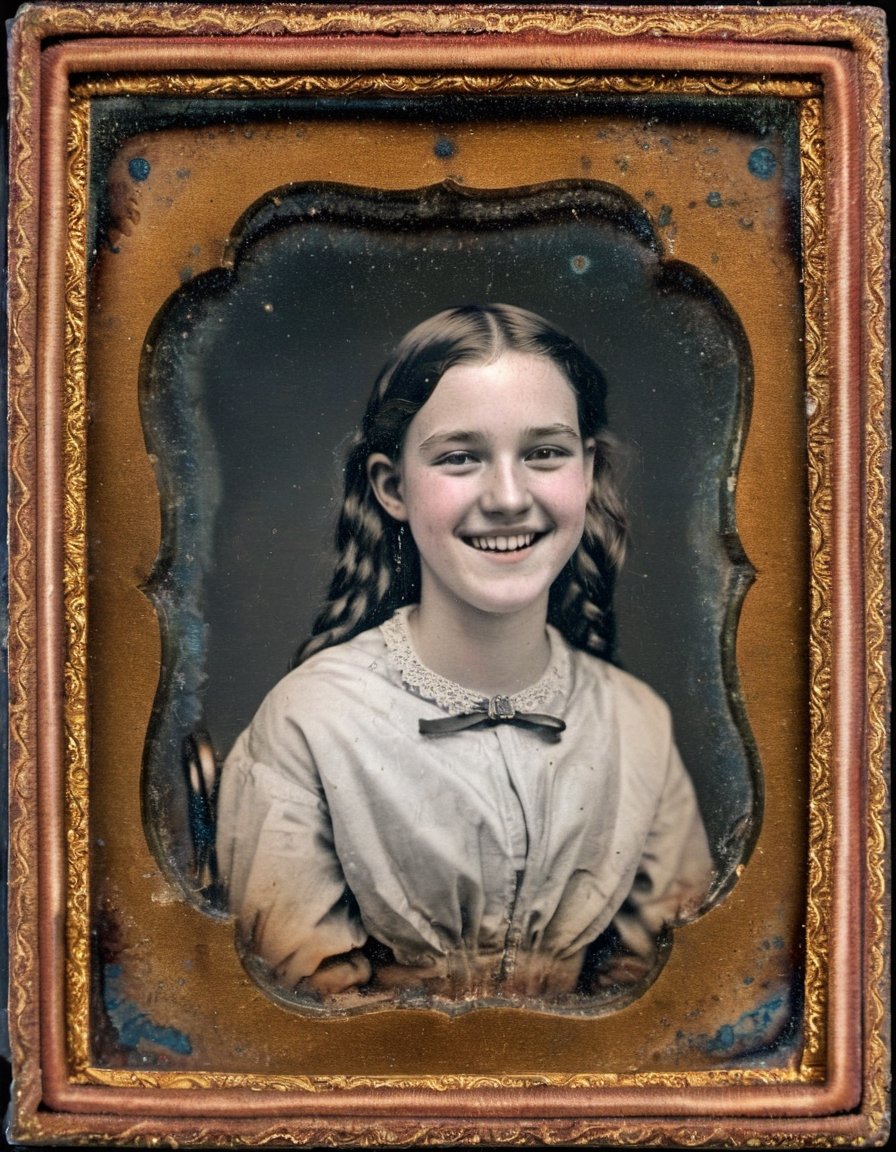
[844,1091]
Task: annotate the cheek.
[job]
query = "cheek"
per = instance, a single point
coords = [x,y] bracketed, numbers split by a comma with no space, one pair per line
[433,503]
[569,497]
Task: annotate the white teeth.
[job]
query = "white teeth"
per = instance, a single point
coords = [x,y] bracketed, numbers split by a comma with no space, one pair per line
[502,543]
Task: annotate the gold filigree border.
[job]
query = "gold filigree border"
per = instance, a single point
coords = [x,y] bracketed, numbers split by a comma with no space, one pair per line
[22,530]
[863,29]
[876,444]
[396,1132]
[445,1082]
[426,83]
[74,583]
[745,24]
[818,413]
[78,924]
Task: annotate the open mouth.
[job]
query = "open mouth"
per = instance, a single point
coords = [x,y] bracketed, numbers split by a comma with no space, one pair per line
[518,543]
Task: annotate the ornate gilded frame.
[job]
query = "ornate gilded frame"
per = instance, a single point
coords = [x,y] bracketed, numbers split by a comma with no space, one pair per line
[828,60]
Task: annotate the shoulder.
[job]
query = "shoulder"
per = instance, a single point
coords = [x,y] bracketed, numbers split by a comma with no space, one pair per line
[337,673]
[633,701]
[327,698]
[340,659]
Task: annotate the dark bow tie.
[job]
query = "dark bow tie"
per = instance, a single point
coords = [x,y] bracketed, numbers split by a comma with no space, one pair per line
[497,710]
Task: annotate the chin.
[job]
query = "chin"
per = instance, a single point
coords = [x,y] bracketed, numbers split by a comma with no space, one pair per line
[510,605]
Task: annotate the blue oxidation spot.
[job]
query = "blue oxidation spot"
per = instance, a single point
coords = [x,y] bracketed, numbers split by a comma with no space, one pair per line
[752,1030]
[444,148]
[665,217]
[138,168]
[134,1026]
[762,163]
[580,264]
[714,199]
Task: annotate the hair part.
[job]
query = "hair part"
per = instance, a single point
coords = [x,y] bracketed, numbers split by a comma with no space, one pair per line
[378,566]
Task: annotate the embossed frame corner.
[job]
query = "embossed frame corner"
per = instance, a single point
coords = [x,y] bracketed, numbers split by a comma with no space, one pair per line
[65,56]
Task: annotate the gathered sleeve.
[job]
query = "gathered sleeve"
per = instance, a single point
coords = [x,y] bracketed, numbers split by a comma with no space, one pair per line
[284,881]
[672,885]
[673,879]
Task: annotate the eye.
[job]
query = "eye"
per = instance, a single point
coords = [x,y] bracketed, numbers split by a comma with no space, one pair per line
[547,454]
[456,459]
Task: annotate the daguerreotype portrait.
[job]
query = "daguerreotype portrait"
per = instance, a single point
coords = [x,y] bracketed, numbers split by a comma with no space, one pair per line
[446,575]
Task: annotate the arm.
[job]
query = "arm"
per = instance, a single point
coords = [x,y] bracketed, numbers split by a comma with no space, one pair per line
[674,876]
[284,880]
[671,886]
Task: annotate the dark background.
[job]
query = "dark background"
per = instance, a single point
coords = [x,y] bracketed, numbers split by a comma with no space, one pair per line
[257,378]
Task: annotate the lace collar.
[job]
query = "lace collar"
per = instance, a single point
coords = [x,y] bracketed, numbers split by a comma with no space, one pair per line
[455,698]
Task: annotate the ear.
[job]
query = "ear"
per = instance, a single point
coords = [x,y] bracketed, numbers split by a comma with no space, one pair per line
[385,480]
[589,450]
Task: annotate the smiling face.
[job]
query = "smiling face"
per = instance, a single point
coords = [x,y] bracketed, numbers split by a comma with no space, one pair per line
[493,482]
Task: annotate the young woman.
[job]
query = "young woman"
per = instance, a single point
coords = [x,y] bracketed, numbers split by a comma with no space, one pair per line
[455,799]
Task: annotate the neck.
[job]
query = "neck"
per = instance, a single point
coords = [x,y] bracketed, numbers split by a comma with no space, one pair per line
[486,652]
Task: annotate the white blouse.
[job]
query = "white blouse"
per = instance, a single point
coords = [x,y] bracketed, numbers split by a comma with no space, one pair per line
[365,862]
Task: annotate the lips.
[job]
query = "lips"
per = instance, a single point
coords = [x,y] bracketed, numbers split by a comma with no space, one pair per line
[514,543]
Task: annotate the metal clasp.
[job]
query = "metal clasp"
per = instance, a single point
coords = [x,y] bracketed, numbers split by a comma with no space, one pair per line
[500,708]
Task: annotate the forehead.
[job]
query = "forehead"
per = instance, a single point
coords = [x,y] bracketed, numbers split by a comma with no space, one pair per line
[516,389]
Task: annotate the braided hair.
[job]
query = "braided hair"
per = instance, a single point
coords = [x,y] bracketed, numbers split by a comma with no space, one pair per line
[378,566]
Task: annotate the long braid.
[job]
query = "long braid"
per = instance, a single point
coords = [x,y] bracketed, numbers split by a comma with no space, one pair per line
[365,573]
[377,566]
[581,605]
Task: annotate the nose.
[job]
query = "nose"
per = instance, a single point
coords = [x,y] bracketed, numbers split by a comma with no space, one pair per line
[506,489]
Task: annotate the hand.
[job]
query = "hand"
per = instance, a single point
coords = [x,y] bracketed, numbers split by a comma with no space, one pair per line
[338,974]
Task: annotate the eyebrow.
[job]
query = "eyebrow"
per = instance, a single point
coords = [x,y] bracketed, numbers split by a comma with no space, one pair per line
[461,436]
[551,430]
[456,436]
